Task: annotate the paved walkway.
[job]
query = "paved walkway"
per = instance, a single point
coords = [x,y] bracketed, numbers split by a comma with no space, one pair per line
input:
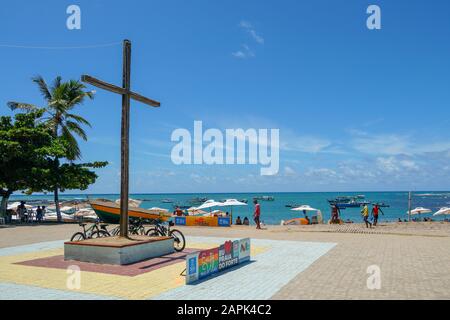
[313,265]
[260,279]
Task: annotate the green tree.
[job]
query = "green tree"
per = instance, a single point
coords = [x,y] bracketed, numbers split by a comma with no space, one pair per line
[27,148]
[61,98]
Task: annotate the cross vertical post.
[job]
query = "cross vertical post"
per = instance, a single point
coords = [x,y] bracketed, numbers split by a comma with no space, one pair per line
[127,95]
[125,140]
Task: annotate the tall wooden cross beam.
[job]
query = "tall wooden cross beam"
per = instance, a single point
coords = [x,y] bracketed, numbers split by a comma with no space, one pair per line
[127,94]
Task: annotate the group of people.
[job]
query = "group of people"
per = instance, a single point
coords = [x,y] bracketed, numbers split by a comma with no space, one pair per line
[256,216]
[25,215]
[245,222]
[375,213]
[373,216]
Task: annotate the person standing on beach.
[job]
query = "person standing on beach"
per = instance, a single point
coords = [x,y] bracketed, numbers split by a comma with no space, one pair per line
[335,212]
[39,214]
[365,214]
[375,211]
[257,214]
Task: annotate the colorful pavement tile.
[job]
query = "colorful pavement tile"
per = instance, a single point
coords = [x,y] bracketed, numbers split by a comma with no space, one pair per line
[38,271]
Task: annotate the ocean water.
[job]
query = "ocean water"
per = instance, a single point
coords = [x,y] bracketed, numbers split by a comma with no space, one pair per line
[272,212]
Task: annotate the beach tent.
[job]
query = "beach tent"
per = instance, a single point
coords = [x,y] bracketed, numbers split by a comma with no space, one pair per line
[442,211]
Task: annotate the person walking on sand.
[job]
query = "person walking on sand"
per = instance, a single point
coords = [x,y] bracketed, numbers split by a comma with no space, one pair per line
[375,210]
[365,214]
[257,214]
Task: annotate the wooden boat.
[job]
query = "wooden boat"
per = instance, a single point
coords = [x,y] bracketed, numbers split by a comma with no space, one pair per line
[109,212]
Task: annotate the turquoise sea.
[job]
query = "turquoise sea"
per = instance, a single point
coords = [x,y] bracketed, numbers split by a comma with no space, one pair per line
[272,212]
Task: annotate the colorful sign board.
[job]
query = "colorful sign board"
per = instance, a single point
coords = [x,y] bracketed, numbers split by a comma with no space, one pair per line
[202,264]
[203,221]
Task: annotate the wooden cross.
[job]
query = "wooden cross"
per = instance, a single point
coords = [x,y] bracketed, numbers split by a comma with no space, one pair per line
[127,94]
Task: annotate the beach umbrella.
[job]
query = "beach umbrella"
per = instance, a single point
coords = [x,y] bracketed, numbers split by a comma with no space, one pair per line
[195,211]
[232,203]
[442,211]
[420,210]
[209,204]
[304,208]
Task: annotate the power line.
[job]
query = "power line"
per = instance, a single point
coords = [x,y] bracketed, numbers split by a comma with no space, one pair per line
[61,48]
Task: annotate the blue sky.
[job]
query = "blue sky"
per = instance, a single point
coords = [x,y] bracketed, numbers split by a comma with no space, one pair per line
[357,109]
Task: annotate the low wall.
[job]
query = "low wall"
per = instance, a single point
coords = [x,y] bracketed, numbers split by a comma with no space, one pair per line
[202,264]
[203,221]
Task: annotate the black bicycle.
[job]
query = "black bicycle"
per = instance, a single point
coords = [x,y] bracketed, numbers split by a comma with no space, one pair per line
[96,230]
[161,230]
[135,227]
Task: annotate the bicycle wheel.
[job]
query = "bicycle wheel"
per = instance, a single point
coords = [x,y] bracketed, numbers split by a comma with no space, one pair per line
[179,242]
[152,232]
[79,236]
[100,234]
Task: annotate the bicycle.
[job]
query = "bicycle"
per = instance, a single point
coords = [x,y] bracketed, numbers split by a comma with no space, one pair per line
[136,227]
[92,232]
[163,231]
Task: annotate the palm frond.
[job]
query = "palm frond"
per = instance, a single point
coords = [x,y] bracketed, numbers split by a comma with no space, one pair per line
[43,88]
[22,106]
[56,83]
[78,119]
[73,150]
[75,128]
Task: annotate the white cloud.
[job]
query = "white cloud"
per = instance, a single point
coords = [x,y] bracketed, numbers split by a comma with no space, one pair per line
[246,52]
[289,172]
[307,144]
[248,27]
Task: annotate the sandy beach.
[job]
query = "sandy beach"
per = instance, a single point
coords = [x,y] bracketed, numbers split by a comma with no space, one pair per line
[413,257]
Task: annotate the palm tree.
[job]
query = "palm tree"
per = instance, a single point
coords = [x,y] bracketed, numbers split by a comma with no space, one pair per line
[61,98]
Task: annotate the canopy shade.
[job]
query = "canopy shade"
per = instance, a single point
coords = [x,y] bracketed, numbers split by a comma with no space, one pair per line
[233,202]
[209,204]
[420,210]
[442,211]
[304,208]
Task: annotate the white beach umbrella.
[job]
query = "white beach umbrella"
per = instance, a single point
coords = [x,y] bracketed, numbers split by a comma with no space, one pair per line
[304,208]
[442,211]
[232,203]
[420,210]
[209,204]
[195,211]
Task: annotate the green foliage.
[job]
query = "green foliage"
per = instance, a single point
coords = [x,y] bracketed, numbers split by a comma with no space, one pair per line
[70,176]
[61,98]
[26,149]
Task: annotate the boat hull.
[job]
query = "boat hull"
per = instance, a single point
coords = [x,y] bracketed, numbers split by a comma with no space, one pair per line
[109,212]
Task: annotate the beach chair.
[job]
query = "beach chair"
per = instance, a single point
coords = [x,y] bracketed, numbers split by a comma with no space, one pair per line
[314,220]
